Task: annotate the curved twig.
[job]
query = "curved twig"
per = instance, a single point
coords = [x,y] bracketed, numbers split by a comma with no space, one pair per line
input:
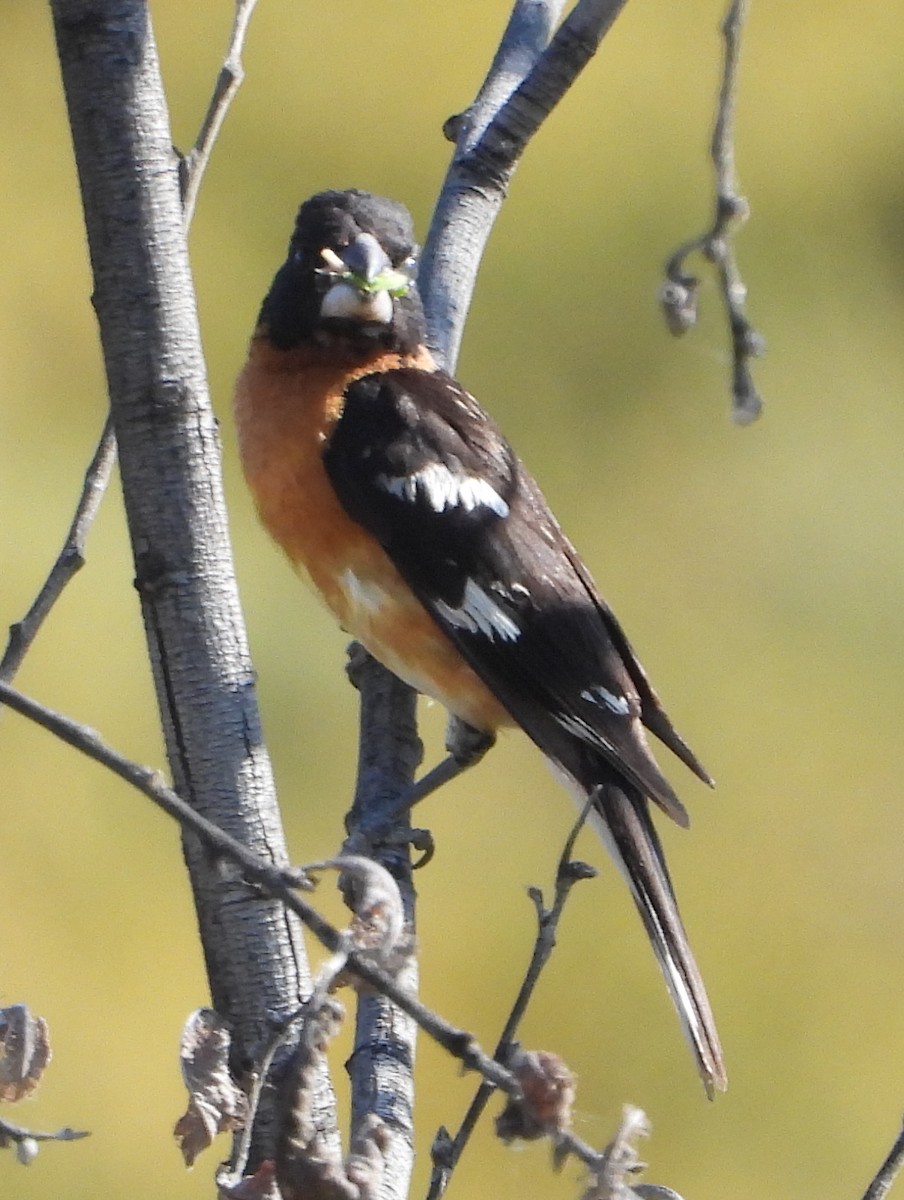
[678,294]
[27,1141]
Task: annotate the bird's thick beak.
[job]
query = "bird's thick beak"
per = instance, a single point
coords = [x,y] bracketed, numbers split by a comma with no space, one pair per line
[363,282]
[365,259]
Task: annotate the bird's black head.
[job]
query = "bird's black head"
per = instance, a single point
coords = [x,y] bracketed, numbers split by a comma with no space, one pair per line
[349,276]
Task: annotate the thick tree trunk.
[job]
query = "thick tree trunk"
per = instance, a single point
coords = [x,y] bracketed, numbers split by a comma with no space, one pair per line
[170,464]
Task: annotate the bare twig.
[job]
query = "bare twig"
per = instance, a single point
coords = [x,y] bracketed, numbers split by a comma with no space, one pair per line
[279,884]
[259,1077]
[194,163]
[26,1141]
[150,782]
[273,880]
[377,926]
[619,1160]
[568,872]
[70,559]
[888,1172]
[679,291]
[447,1151]
[321,1017]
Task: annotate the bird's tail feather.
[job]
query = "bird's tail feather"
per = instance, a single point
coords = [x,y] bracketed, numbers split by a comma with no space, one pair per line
[621,818]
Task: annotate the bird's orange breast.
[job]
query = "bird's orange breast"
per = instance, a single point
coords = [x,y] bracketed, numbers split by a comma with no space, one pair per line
[286,405]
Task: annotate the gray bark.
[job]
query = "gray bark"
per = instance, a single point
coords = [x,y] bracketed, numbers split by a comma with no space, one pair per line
[170,466]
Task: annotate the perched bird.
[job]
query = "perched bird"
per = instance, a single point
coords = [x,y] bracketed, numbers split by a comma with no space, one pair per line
[388,484]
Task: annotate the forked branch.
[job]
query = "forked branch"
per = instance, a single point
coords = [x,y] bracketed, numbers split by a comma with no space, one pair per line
[532,71]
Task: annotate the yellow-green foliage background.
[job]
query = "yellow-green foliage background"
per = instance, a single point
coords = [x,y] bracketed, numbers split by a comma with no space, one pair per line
[759,571]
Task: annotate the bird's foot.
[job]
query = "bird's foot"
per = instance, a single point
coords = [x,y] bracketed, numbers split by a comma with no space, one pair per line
[376,842]
[466,746]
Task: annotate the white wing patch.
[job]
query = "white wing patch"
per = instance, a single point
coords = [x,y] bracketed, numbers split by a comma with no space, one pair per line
[479,613]
[600,695]
[582,730]
[443,489]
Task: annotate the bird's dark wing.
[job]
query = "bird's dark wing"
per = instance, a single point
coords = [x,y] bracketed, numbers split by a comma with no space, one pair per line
[418,463]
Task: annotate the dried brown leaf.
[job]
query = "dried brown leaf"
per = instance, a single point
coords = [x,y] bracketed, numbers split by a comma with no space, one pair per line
[547,1095]
[24,1052]
[620,1159]
[373,896]
[308,1165]
[216,1104]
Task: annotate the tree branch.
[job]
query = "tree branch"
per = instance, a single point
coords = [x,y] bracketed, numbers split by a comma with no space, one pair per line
[381,1065]
[529,76]
[276,880]
[678,294]
[26,1141]
[448,1151]
[888,1172]
[280,883]
[229,80]
[170,468]
[70,559]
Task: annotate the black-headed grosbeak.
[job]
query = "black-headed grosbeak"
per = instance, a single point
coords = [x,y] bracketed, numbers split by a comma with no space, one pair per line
[387,483]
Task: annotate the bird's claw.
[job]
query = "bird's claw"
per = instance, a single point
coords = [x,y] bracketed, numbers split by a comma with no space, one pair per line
[392,838]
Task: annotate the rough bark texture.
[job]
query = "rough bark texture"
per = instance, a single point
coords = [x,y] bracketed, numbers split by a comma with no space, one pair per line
[382,1063]
[170,464]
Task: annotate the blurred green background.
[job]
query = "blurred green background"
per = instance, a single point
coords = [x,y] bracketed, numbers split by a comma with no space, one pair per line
[758,571]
